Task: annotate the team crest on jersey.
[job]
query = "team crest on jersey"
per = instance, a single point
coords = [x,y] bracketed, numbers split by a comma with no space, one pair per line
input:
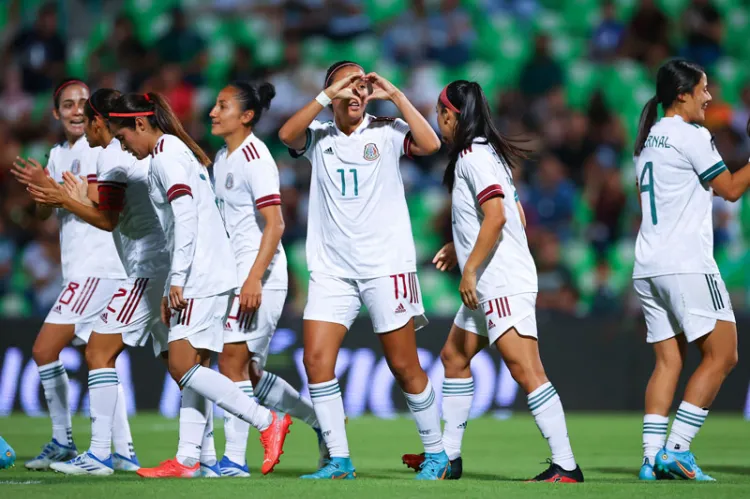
[230,181]
[75,168]
[371,152]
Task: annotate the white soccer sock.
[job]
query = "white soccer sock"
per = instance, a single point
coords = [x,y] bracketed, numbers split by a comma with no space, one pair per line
[427,416]
[329,409]
[687,422]
[103,396]
[654,435]
[547,410]
[236,430]
[208,449]
[121,436]
[192,427]
[220,389]
[55,383]
[276,393]
[457,396]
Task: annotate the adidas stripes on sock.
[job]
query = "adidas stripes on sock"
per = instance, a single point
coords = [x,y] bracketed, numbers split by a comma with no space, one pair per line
[274,392]
[427,416]
[208,449]
[55,383]
[545,406]
[458,394]
[329,410]
[103,395]
[654,435]
[687,422]
[122,439]
[236,430]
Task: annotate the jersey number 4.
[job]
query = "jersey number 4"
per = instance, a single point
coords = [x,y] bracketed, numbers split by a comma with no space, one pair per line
[353,171]
[647,185]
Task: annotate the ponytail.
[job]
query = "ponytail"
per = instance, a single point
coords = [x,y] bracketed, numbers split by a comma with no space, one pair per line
[254,97]
[155,108]
[648,118]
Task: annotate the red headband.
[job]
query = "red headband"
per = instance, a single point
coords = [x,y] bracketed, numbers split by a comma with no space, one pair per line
[94,109]
[131,115]
[447,103]
[328,80]
[71,82]
[147,97]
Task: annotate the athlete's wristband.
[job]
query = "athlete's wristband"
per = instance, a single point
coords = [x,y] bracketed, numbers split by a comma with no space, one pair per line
[323,99]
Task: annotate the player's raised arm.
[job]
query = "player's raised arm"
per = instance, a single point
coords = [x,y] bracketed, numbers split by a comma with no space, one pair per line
[731,186]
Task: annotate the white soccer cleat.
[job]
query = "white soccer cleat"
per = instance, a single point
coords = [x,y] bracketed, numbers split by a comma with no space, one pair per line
[122,463]
[85,464]
[53,452]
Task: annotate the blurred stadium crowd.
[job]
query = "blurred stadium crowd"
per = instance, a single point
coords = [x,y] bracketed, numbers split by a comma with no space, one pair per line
[569,77]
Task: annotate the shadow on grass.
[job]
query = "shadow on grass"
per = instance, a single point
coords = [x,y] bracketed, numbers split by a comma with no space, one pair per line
[727,468]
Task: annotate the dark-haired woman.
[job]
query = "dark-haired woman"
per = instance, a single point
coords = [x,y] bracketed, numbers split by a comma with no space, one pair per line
[202,275]
[91,274]
[133,311]
[247,187]
[676,278]
[499,280]
[360,250]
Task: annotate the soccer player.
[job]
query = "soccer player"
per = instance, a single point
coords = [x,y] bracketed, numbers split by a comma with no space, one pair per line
[202,276]
[683,297]
[360,250]
[498,279]
[90,279]
[247,188]
[133,312]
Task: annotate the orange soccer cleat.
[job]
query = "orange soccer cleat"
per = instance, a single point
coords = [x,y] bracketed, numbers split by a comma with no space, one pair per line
[272,439]
[171,468]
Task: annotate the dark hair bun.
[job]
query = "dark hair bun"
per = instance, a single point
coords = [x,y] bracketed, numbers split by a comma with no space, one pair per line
[266,93]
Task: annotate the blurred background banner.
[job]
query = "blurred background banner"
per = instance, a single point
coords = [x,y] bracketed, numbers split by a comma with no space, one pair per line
[596,365]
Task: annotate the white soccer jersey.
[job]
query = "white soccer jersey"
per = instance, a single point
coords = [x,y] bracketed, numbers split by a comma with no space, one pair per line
[204,263]
[673,171]
[123,187]
[358,225]
[85,251]
[509,269]
[246,181]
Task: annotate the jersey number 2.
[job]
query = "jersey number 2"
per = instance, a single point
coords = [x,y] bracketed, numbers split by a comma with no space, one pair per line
[647,185]
[353,171]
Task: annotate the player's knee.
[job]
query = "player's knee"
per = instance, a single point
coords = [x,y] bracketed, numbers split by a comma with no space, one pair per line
[454,362]
[317,365]
[528,376]
[669,361]
[178,367]
[43,354]
[97,359]
[405,370]
[232,367]
[729,361]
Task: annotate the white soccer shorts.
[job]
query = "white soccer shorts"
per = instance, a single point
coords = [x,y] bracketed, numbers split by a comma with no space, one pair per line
[683,303]
[80,303]
[391,301]
[256,329]
[134,312]
[496,316]
[202,321]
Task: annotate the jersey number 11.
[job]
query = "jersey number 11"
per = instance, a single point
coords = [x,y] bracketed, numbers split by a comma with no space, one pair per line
[353,171]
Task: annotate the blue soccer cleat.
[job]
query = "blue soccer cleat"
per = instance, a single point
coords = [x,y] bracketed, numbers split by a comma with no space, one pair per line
[124,463]
[7,455]
[230,468]
[680,464]
[338,468]
[85,464]
[210,470]
[53,452]
[648,473]
[435,467]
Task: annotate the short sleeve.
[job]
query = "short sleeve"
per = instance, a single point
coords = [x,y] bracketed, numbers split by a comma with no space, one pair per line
[399,134]
[173,178]
[481,175]
[263,181]
[313,134]
[700,150]
[112,177]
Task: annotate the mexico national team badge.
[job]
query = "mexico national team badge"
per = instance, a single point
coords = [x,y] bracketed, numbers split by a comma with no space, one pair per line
[75,168]
[371,152]
[230,181]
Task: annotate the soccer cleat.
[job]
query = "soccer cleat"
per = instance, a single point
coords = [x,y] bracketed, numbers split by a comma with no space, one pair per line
[171,468]
[272,439]
[649,473]
[414,461]
[53,452]
[338,468]
[557,474]
[85,464]
[681,464]
[325,456]
[7,455]
[122,463]
[230,468]
[210,471]
[435,467]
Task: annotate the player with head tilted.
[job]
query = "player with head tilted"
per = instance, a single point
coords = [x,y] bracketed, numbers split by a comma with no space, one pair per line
[133,312]
[91,269]
[683,297]
[360,250]
[499,280]
[202,276]
[247,188]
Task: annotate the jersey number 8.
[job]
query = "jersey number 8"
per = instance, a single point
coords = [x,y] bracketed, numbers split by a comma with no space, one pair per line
[648,187]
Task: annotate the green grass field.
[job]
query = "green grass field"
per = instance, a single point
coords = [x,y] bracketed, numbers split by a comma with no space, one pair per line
[498,456]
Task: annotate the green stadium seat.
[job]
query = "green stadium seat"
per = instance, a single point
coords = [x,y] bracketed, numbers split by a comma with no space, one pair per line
[390,72]
[626,9]
[501,41]
[621,259]
[76,63]
[439,291]
[380,11]
[583,79]
[673,8]
[732,77]
[220,56]
[566,49]
[423,206]
[270,53]
[581,16]
[318,51]
[737,32]
[549,21]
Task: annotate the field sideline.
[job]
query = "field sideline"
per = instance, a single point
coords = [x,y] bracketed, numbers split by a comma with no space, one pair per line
[498,455]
